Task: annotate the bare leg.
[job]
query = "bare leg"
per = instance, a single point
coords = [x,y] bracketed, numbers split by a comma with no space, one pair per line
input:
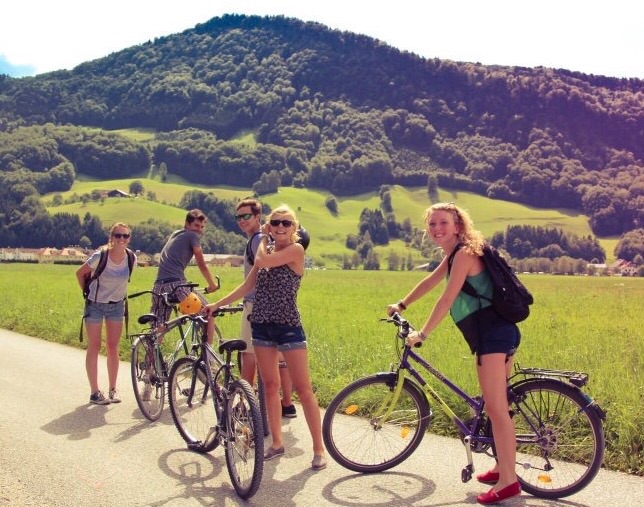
[269,370]
[298,367]
[113,331]
[91,354]
[248,365]
[493,374]
[285,382]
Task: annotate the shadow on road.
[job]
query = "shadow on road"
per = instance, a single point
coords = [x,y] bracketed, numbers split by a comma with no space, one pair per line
[79,423]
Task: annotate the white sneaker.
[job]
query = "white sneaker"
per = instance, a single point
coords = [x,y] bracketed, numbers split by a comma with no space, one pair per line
[113,396]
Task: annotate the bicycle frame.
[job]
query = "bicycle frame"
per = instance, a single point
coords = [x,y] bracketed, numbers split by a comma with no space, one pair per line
[407,370]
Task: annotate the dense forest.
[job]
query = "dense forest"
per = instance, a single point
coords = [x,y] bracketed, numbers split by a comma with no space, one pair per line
[327,109]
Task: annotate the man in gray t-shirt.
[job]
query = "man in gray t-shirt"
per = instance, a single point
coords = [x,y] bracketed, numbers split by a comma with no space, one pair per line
[175,256]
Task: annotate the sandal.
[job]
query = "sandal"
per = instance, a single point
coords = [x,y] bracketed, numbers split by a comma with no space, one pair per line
[273,453]
[319,462]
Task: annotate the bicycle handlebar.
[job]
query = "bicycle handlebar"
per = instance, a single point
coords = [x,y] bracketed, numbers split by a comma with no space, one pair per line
[223,310]
[404,327]
[165,295]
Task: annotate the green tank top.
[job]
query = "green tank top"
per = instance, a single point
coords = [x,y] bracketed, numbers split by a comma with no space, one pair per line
[465,305]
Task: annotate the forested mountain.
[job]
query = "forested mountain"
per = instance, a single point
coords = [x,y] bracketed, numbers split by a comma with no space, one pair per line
[331,110]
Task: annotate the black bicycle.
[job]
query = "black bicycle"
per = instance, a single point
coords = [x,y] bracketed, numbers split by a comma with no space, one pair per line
[209,406]
[148,364]
[377,422]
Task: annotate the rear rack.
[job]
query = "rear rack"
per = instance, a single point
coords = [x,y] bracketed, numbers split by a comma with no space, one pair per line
[576,378]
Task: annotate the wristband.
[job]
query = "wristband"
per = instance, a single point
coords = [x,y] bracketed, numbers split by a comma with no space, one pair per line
[402,305]
[422,336]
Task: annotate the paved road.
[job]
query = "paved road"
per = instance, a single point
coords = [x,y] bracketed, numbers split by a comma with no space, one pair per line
[56,450]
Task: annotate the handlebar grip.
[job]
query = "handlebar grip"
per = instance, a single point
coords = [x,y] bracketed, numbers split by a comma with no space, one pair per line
[206,291]
[418,344]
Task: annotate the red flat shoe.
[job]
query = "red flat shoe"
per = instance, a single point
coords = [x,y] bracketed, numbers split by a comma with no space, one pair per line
[488,477]
[498,496]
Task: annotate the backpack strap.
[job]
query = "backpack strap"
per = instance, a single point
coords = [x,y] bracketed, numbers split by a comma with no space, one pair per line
[467,286]
[250,254]
[100,267]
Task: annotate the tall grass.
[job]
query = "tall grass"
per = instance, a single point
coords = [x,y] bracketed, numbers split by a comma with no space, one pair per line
[592,324]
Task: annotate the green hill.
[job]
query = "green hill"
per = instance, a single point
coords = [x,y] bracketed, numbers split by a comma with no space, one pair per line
[329,231]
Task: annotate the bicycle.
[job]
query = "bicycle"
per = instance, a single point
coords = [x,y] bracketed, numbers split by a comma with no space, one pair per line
[149,367]
[378,421]
[209,406]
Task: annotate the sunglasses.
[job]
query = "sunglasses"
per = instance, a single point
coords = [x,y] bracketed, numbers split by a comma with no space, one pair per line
[285,223]
[245,216]
[118,235]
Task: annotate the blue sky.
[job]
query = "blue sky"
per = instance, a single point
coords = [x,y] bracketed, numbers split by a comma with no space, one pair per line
[591,36]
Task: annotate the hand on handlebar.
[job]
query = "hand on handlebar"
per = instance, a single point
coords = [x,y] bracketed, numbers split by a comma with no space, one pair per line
[213,287]
[211,308]
[413,339]
[393,308]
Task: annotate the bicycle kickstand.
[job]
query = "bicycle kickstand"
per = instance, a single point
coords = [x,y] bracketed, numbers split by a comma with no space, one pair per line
[468,470]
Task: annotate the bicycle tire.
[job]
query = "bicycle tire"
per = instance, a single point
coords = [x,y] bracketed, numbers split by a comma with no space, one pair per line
[568,445]
[259,394]
[261,400]
[355,434]
[196,422]
[245,442]
[147,382]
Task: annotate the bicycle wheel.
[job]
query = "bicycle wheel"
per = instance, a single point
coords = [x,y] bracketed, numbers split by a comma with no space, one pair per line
[196,420]
[245,442]
[364,433]
[259,394]
[560,438]
[148,384]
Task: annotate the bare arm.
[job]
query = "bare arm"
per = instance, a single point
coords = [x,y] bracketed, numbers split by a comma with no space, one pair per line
[81,274]
[201,263]
[292,256]
[238,292]
[462,265]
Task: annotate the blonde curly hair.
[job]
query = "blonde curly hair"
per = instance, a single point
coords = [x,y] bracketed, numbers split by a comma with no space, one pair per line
[471,239]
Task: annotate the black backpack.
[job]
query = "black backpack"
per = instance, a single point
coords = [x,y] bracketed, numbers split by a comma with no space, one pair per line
[510,298]
[100,267]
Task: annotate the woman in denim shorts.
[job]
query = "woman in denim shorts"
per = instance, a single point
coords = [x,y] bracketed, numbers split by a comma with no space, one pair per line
[276,326]
[490,337]
[106,302]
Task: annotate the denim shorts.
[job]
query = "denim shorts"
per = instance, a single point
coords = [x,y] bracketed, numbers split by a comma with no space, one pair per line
[278,336]
[501,339]
[96,312]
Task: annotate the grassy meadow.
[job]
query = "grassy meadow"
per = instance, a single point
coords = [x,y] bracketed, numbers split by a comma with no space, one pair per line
[592,324]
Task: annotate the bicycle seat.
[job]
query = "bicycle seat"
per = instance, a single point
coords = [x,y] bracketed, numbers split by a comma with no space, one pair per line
[147,319]
[232,345]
